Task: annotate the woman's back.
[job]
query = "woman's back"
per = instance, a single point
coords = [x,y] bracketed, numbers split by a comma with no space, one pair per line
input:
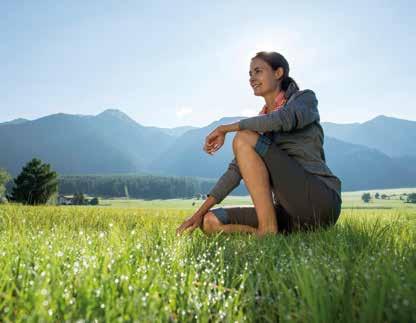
[305,145]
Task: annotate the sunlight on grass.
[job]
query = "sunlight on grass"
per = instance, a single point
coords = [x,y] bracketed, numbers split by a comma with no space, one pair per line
[70,263]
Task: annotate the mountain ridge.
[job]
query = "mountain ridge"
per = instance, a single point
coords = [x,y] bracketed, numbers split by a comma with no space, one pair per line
[112,142]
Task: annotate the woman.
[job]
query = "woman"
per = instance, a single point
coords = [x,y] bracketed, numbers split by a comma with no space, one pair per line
[279,155]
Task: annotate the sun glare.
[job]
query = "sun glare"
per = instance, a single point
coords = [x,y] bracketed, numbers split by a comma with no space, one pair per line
[267,46]
[289,43]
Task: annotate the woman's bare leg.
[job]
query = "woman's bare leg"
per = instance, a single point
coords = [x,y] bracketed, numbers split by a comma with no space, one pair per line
[211,224]
[256,178]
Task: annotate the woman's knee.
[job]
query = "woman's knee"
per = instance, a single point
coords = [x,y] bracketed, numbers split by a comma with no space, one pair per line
[244,138]
[210,224]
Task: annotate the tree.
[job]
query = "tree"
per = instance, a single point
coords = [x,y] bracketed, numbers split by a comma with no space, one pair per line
[94,201]
[78,199]
[411,198]
[4,178]
[35,184]
[366,197]
[377,195]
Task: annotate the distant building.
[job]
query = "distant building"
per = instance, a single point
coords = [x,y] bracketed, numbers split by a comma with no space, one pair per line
[63,200]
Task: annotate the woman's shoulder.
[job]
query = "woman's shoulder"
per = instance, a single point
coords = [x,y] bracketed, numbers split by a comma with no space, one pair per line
[305,91]
[293,91]
[305,94]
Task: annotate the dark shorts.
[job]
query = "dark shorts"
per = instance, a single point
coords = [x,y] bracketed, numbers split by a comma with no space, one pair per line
[302,200]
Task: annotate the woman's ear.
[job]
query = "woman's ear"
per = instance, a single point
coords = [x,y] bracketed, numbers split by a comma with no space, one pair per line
[279,73]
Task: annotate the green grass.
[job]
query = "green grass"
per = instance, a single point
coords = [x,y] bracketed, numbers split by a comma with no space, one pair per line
[113,263]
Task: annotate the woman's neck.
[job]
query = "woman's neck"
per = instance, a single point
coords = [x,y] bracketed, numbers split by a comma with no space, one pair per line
[270,97]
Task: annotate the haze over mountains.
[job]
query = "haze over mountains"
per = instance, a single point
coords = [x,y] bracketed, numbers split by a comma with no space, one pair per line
[392,136]
[379,153]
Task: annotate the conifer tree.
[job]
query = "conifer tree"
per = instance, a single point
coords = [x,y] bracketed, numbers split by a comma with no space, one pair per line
[35,184]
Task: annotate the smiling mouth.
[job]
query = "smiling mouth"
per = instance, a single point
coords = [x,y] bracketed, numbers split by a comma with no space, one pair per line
[256,86]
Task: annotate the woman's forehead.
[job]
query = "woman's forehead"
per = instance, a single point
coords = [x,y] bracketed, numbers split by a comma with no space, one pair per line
[257,62]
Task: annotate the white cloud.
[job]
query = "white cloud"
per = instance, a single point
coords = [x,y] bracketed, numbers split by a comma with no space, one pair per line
[182,112]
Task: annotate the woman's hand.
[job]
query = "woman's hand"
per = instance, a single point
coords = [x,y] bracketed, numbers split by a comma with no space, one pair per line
[215,140]
[191,223]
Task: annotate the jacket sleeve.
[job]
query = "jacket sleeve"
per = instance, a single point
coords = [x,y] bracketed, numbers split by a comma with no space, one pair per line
[227,182]
[296,114]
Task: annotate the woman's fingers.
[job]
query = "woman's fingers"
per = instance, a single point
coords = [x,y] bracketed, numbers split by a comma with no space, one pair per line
[213,148]
[189,224]
[180,230]
[211,137]
[213,142]
[209,148]
[183,227]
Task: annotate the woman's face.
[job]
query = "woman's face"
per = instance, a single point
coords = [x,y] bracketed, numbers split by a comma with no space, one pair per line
[263,79]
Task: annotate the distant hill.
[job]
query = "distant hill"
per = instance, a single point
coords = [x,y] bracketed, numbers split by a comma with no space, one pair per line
[187,158]
[110,142]
[15,121]
[392,136]
[113,143]
[176,132]
[358,166]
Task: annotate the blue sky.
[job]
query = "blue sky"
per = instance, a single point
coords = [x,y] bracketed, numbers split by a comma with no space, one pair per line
[179,63]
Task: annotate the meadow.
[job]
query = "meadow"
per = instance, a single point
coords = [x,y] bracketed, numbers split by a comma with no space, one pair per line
[121,261]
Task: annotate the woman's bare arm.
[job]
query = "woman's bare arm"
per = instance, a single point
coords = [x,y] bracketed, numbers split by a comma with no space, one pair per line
[196,220]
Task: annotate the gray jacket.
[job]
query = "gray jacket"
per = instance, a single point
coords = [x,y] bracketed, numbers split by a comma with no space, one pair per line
[295,129]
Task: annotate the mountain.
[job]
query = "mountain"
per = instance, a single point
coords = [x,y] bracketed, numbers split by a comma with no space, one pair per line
[110,142]
[15,121]
[406,161]
[392,136]
[360,167]
[113,143]
[114,114]
[178,131]
[187,158]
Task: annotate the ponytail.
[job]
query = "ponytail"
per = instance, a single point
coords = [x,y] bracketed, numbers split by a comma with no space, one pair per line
[287,81]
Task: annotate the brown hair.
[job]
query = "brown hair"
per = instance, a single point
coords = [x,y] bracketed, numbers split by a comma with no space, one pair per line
[276,60]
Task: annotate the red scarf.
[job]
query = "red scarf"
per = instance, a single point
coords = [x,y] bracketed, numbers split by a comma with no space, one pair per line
[279,101]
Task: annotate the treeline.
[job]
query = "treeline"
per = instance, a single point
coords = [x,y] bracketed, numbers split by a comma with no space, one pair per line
[405,197]
[135,186]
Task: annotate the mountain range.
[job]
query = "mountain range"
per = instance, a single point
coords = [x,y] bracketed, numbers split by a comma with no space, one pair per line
[379,153]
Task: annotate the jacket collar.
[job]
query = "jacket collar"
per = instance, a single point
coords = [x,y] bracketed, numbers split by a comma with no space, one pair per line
[291,89]
[288,96]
